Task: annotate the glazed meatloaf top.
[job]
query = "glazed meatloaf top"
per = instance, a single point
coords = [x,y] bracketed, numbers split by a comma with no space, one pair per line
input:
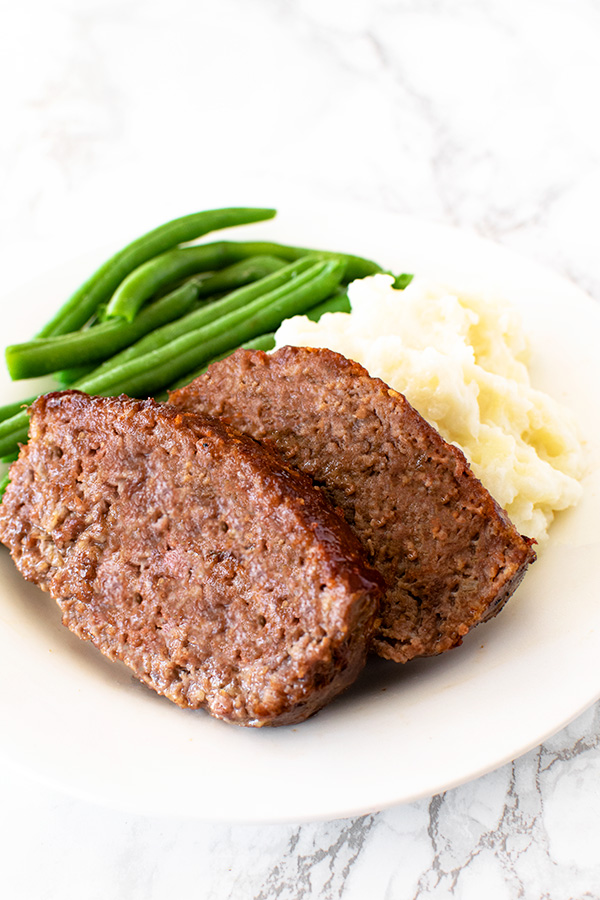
[448,553]
[218,574]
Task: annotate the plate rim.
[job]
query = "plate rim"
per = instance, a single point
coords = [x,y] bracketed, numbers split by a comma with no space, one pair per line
[572,291]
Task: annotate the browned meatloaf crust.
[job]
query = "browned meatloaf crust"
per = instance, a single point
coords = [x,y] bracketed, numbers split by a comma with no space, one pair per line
[449,554]
[192,554]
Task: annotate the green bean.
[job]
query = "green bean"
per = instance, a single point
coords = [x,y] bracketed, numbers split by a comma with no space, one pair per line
[356,266]
[101,285]
[45,355]
[168,268]
[4,482]
[209,313]
[262,342]
[339,302]
[13,432]
[11,409]
[156,275]
[160,367]
[239,274]
[402,281]
[153,371]
[225,253]
[66,377]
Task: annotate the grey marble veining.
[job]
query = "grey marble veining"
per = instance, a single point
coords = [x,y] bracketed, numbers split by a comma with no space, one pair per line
[529,829]
[481,115]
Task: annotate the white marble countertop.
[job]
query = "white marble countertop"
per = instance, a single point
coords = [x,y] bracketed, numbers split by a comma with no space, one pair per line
[482,115]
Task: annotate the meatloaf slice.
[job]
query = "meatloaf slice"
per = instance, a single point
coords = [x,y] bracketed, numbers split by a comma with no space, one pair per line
[191,553]
[448,553]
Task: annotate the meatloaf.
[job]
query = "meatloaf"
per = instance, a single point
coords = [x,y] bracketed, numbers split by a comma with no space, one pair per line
[218,574]
[449,554]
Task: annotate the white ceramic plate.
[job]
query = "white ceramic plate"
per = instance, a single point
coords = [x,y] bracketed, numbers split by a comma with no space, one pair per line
[84,724]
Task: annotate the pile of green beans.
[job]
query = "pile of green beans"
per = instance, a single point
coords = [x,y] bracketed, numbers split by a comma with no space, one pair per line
[157,313]
[100,287]
[205,314]
[46,355]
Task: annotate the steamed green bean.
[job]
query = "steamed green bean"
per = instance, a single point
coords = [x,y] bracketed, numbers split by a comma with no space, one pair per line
[45,355]
[100,286]
[160,367]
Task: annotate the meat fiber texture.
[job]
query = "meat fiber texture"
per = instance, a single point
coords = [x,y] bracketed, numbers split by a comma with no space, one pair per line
[449,555]
[222,578]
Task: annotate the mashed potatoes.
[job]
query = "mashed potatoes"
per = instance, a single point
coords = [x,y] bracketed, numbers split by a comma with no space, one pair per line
[460,360]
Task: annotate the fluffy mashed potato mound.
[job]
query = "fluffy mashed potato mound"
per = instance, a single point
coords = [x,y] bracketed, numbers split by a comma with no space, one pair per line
[461,362]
